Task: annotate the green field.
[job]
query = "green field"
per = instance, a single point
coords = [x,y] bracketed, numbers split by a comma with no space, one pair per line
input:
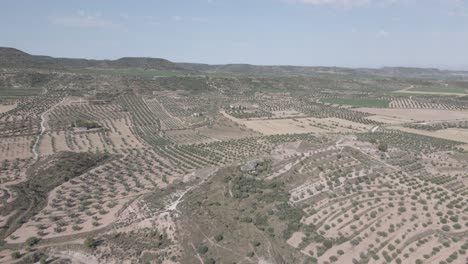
[361,102]
[438,89]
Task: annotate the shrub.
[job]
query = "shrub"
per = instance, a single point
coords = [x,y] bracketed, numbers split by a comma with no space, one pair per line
[15,255]
[383,147]
[202,249]
[90,243]
[32,241]
[210,261]
[219,237]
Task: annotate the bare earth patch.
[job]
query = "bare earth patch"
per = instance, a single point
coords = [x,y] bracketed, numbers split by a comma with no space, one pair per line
[299,125]
[456,134]
[388,119]
[6,108]
[417,114]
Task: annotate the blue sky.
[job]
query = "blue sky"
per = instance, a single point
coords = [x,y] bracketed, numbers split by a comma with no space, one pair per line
[350,33]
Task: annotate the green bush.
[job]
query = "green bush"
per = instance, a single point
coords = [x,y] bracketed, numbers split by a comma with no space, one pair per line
[202,249]
[383,147]
[15,255]
[32,241]
[90,243]
[219,237]
[210,261]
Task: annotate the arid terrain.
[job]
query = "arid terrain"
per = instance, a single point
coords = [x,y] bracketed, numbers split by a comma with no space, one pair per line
[142,160]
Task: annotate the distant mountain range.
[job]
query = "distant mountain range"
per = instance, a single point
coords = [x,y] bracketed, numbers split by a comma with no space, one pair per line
[14,58]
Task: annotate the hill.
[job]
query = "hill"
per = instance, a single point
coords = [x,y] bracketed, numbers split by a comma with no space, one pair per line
[265,69]
[248,69]
[14,58]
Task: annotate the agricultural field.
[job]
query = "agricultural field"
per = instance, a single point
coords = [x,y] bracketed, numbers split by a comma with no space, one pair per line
[432,91]
[171,163]
[357,102]
[427,103]
[439,90]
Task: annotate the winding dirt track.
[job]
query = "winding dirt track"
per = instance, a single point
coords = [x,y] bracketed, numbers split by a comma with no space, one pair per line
[43,129]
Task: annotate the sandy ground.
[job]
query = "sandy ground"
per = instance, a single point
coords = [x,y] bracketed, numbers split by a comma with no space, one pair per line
[435,93]
[188,136]
[225,129]
[456,134]
[287,113]
[119,137]
[29,229]
[417,114]
[16,147]
[295,239]
[5,256]
[123,132]
[45,146]
[69,191]
[328,212]
[299,125]
[76,257]
[6,108]
[386,218]
[388,120]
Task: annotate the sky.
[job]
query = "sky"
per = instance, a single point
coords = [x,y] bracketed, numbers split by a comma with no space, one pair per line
[346,33]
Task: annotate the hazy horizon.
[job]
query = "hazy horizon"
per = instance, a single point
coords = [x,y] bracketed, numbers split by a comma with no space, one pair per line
[341,33]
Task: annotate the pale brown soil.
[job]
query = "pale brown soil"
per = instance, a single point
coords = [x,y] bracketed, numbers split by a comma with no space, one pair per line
[456,134]
[5,256]
[6,108]
[388,120]
[29,229]
[16,147]
[299,125]
[434,93]
[225,129]
[187,136]
[287,114]
[119,136]
[295,239]
[76,257]
[417,114]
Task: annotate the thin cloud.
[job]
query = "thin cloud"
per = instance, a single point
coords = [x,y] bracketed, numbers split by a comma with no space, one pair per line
[82,19]
[349,3]
[381,3]
[458,13]
[124,16]
[382,34]
[152,21]
[200,19]
[344,3]
[177,18]
[192,19]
